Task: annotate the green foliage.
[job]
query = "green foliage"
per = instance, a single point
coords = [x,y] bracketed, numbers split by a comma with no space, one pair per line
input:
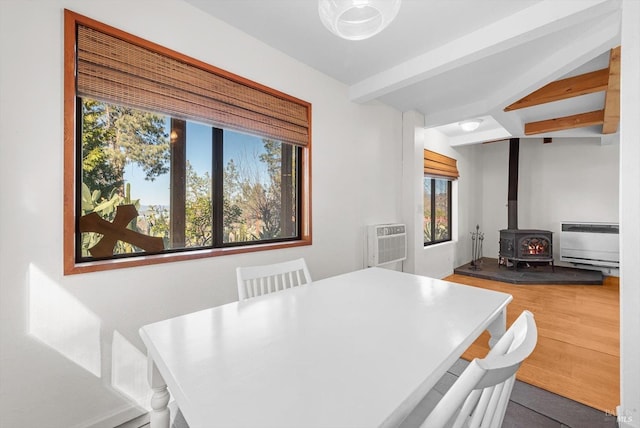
[252,205]
[263,201]
[198,213]
[263,205]
[113,136]
[93,202]
[158,223]
[97,171]
[198,210]
[273,159]
[231,194]
[427,231]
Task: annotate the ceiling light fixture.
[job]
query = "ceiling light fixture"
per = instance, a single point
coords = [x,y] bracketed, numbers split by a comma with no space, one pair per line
[470,125]
[357,19]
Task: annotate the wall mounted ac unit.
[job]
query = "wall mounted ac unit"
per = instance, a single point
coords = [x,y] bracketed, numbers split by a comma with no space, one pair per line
[595,244]
[386,243]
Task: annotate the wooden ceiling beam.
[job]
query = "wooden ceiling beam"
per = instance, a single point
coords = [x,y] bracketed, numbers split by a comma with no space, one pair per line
[612,96]
[570,87]
[567,122]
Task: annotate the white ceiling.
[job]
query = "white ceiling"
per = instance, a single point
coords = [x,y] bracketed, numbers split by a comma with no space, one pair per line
[449,59]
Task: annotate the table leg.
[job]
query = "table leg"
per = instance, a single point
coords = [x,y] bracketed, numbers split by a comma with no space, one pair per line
[159,416]
[497,327]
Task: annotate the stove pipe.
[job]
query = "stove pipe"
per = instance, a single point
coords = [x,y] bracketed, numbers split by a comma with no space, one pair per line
[512,199]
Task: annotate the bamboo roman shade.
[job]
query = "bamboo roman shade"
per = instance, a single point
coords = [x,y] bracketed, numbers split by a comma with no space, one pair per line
[437,165]
[115,70]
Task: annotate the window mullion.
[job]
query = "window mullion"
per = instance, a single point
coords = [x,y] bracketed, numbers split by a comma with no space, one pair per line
[433,210]
[217,191]
[450,210]
[286,188]
[78,179]
[299,183]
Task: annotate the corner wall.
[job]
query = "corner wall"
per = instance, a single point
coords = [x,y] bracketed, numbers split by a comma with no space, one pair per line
[438,260]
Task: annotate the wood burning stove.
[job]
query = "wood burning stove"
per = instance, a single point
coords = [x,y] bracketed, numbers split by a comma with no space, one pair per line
[526,245]
[521,245]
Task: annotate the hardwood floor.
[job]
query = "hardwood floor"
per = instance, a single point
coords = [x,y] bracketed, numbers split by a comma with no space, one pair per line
[578,351]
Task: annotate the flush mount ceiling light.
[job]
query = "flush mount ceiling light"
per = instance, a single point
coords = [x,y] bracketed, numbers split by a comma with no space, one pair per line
[357,19]
[470,125]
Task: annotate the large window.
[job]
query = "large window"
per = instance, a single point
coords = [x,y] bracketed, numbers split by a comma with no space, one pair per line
[173,159]
[437,210]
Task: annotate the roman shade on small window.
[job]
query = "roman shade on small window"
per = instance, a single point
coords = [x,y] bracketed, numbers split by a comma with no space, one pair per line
[440,166]
[115,70]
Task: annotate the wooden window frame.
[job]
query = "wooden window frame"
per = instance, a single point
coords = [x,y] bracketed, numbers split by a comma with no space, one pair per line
[71,266]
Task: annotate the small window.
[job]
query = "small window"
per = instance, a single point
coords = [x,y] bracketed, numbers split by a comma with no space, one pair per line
[167,158]
[439,171]
[437,210]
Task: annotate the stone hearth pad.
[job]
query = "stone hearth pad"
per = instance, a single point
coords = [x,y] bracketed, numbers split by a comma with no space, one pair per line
[541,274]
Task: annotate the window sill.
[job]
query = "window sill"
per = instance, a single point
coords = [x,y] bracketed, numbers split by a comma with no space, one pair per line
[439,244]
[72,268]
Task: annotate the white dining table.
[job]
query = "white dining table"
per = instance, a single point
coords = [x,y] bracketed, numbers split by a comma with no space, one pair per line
[355,350]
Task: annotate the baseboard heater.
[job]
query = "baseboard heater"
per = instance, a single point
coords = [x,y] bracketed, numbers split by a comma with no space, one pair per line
[595,244]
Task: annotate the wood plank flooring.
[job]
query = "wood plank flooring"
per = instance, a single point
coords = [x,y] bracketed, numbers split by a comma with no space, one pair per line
[578,351]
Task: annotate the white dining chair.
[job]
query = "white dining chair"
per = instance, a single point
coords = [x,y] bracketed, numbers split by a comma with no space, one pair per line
[479,397]
[258,280]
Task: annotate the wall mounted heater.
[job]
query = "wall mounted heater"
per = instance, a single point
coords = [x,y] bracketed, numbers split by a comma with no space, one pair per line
[386,243]
[595,244]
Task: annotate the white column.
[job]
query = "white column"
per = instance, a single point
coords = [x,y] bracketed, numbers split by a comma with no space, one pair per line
[412,172]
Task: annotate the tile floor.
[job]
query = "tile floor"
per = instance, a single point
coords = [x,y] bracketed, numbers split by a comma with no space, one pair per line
[532,407]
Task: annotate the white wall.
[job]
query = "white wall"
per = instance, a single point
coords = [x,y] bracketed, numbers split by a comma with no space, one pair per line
[567,180]
[412,189]
[470,196]
[70,355]
[629,411]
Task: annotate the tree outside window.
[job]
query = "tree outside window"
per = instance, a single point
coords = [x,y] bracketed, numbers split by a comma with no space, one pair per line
[132,157]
